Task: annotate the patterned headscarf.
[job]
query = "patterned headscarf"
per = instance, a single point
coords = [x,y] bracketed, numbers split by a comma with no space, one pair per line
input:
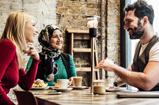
[48,51]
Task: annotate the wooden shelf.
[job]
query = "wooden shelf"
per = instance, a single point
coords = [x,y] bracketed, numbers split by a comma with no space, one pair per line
[70,30]
[82,37]
[81,49]
[86,69]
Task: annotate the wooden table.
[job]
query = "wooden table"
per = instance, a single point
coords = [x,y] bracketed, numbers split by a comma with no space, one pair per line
[83,97]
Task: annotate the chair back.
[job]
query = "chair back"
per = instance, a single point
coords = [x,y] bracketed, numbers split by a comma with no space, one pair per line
[45,102]
[25,98]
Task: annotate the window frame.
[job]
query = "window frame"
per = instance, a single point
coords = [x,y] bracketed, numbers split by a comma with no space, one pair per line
[125,42]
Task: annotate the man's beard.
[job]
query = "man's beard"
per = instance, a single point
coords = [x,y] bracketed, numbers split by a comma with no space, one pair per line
[137,32]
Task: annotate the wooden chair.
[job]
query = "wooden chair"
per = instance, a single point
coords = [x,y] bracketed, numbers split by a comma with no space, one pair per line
[25,98]
[44,102]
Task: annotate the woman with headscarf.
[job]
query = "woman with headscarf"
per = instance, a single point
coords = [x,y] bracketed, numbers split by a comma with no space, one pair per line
[54,63]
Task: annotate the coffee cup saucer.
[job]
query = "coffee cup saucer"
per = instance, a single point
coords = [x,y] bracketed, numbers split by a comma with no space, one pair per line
[116,89]
[63,89]
[79,87]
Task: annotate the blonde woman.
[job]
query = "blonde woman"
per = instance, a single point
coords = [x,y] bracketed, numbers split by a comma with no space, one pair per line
[17,39]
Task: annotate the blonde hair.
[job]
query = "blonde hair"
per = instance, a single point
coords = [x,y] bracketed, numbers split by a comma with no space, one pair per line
[14,31]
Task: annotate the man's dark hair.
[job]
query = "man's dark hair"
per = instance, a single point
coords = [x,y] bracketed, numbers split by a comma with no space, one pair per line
[141,9]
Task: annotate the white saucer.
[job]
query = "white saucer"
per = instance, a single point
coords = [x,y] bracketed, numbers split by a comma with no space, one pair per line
[79,87]
[63,90]
[116,89]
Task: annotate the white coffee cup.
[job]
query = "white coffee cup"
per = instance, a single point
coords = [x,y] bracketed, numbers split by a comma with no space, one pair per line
[63,83]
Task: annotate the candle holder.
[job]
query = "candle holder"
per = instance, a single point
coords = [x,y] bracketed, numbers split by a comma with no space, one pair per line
[92,25]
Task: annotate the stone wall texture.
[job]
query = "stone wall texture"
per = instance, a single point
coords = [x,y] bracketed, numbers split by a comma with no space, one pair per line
[43,10]
[72,13]
[113,30]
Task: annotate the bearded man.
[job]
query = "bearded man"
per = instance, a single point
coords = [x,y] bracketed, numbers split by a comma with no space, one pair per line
[144,71]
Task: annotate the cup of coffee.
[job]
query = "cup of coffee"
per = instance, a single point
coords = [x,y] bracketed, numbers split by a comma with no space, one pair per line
[62,83]
[98,87]
[77,81]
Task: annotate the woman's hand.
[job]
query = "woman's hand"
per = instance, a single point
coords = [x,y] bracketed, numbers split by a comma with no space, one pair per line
[50,77]
[71,81]
[106,64]
[31,51]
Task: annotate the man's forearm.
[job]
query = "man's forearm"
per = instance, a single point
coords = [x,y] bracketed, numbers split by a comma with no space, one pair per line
[132,78]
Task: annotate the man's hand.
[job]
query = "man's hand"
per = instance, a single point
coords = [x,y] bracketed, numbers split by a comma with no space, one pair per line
[106,64]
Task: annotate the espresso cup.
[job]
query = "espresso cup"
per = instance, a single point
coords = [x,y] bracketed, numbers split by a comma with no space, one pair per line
[63,83]
[77,81]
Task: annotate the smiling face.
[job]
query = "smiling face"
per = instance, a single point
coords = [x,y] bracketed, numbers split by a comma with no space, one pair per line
[30,31]
[133,25]
[56,40]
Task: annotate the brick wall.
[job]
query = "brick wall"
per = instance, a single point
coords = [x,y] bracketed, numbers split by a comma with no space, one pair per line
[71,14]
[43,10]
[113,30]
